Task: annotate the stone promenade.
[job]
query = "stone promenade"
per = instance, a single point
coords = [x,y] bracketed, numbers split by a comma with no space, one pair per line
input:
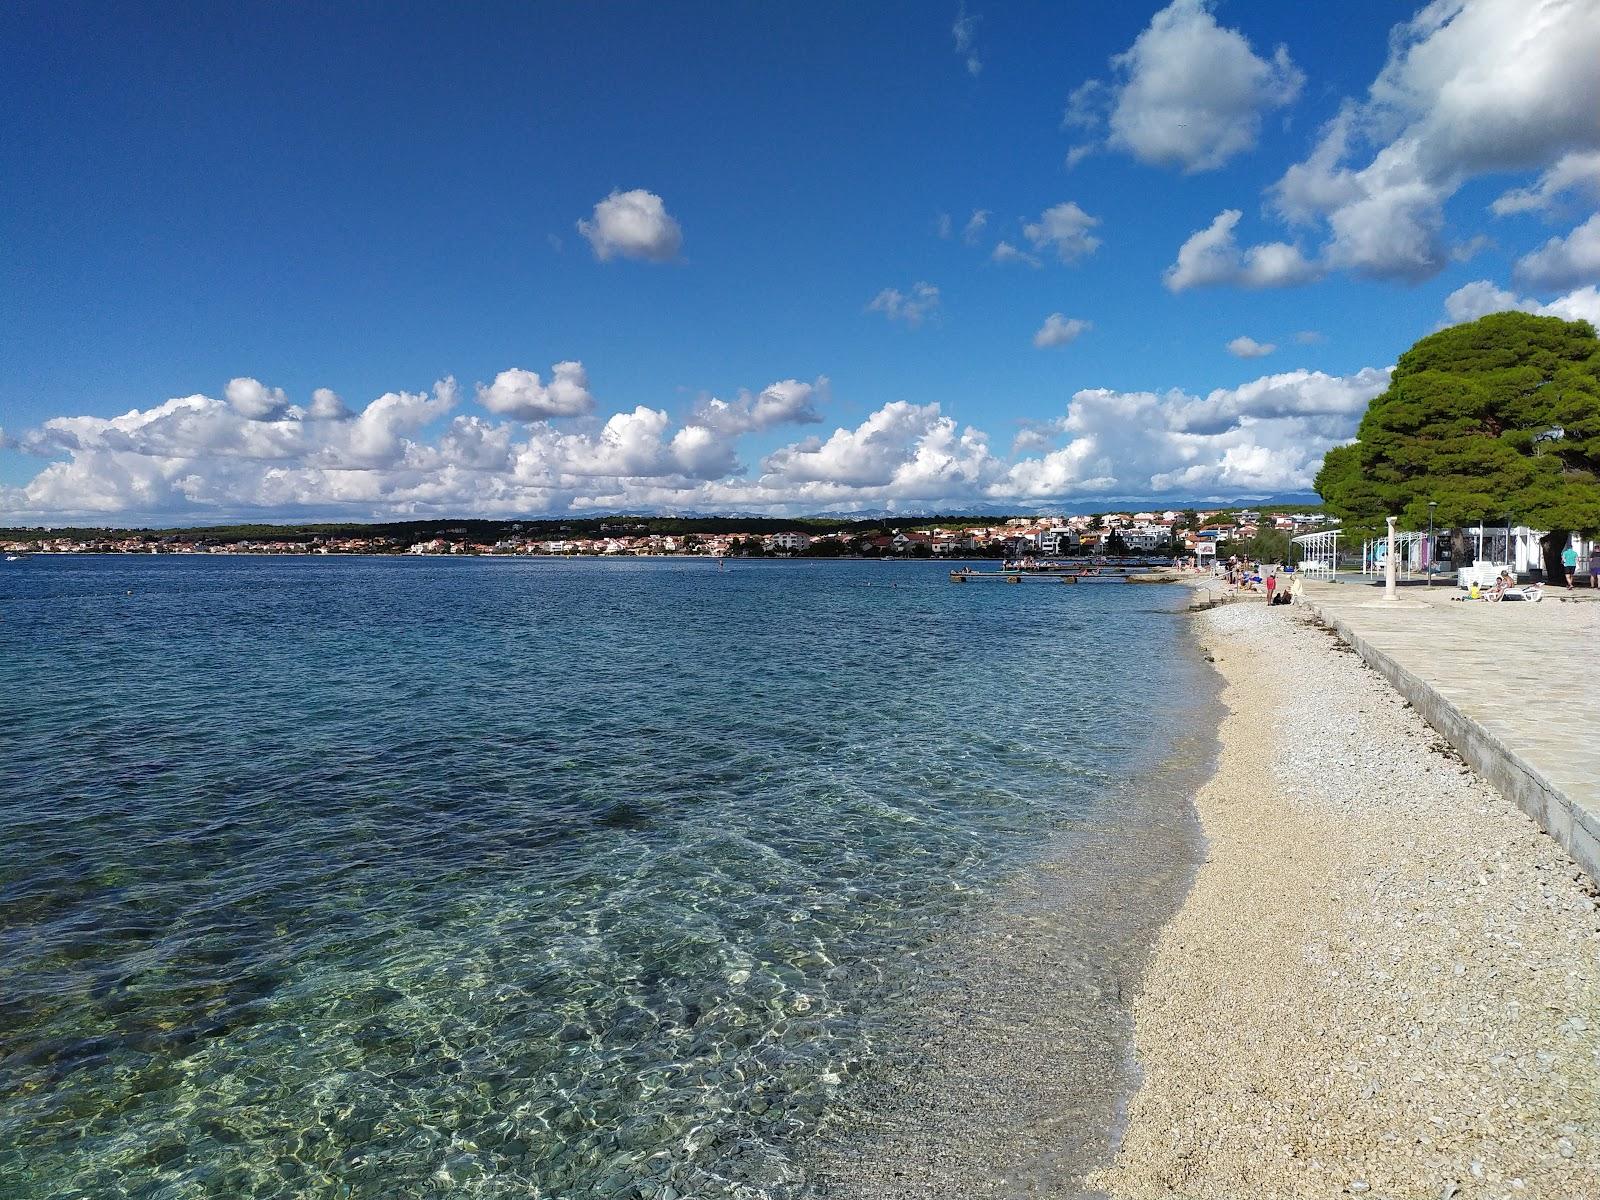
[1514,687]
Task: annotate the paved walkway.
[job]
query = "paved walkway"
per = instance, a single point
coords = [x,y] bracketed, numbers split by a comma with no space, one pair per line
[1514,687]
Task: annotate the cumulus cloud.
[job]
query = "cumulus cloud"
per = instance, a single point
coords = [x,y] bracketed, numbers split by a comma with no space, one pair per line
[198,454]
[910,308]
[327,406]
[632,224]
[250,399]
[787,402]
[1064,230]
[1247,347]
[1266,435]
[1213,256]
[1188,93]
[1480,298]
[1563,261]
[194,457]
[1005,252]
[965,32]
[912,450]
[975,226]
[521,394]
[1470,87]
[1578,170]
[1058,330]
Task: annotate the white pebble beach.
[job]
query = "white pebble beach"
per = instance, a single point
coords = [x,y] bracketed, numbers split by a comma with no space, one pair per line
[1386,979]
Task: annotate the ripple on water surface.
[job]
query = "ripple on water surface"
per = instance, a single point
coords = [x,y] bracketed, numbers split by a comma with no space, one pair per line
[387,877]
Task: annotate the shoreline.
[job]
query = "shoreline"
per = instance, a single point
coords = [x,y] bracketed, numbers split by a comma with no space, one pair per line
[1016,1077]
[1384,980]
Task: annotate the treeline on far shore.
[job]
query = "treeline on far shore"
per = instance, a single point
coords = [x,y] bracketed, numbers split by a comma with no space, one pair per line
[479,530]
[489,531]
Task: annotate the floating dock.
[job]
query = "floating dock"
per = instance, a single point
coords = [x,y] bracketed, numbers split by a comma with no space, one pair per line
[1016,576]
[1115,576]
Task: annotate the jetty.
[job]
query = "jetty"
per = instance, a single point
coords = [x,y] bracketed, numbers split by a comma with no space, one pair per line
[1136,573]
[1015,576]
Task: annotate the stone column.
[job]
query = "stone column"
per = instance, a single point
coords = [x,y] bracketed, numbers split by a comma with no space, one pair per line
[1389,592]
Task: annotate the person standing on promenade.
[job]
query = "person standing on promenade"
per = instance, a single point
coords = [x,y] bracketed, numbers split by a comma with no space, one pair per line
[1272,585]
[1569,563]
[1594,564]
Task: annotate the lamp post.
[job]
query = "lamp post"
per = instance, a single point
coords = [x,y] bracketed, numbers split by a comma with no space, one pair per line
[1432,504]
[1511,555]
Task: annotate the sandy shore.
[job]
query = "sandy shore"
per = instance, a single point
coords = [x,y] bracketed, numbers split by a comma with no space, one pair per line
[1386,980]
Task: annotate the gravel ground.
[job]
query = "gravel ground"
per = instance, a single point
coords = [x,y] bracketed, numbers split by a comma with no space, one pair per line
[1386,981]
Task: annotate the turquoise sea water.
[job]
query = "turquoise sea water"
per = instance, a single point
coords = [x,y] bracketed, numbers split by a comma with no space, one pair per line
[379,877]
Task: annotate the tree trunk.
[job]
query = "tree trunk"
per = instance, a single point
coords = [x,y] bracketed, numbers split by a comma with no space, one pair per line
[1460,548]
[1553,543]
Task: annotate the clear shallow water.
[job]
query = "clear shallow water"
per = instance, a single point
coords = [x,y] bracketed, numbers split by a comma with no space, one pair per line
[503,878]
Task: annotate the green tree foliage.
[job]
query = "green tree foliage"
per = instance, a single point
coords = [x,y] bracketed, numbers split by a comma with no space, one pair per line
[1267,545]
[825,548]
[1500,415]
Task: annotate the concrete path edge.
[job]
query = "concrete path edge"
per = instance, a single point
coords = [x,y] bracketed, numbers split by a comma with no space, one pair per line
[1574,827]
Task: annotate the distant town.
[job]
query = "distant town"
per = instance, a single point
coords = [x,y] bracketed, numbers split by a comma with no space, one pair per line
[1174,532]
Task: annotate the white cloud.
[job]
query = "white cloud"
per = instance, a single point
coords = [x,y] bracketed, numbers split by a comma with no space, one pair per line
[787,402]
[1564,261]
[975,226]
[965,31]
[1480,298]
[912,450]
[327,406]
[1247,347]
[1065,230]
[1470,249]
[1581,304]
[1187,93]
[910,308]
[1058,330]
[521,394]
[1005,252]
[1580,169]
[1310,337]
[1212,256]
[633,224]
[942,226]
[250,399]
[1470,87]
[195,457]
[1266,435]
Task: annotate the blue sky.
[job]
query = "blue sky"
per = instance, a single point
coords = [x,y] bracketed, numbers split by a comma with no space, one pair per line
[210,213]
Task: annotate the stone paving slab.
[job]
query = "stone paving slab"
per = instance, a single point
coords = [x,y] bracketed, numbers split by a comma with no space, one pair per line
[1515,687]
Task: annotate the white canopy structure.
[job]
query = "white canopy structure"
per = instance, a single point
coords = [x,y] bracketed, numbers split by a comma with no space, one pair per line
[1412,553]
[1319,553]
